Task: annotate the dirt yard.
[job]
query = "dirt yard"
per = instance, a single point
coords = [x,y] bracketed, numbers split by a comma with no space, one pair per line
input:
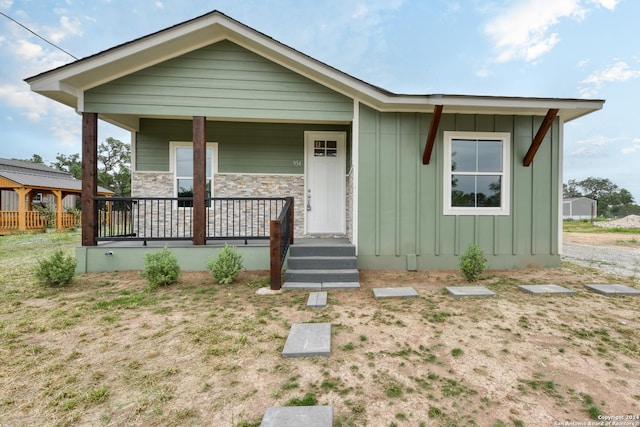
[106,351]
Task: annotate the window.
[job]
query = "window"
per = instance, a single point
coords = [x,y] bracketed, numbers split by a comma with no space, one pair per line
[182,161]
[476,173]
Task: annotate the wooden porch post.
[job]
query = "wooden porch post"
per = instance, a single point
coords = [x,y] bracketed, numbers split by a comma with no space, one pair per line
[22,209]
[275,267]
[199,180]
[89,178]
[58,196]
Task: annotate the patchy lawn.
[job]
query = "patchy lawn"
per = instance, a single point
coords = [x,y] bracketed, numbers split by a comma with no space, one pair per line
[106,351]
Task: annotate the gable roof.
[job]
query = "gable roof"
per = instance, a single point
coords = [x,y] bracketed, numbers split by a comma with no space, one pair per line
[66,84]
[34,175]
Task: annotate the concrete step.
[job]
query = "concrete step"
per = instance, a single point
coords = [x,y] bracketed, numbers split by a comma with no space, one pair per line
[322,262]
[321,276]
[322,250]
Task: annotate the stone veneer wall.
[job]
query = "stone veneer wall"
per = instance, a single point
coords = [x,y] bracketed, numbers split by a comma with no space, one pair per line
[152,184]
[160,184]
[349,205]
[250,185]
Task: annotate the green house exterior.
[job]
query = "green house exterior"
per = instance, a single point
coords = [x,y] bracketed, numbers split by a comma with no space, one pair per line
[391,172]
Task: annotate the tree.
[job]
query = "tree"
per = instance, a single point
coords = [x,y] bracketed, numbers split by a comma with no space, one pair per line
[70,164]
[114,166]
[611,199]
[571,190]
[597,188]
[36,158]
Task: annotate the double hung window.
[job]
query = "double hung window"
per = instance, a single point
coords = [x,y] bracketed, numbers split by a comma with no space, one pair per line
[183,171]
[476,169]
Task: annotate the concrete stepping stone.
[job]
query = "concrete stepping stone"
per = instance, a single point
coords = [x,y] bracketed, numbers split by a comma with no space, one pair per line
[614,289]
[317,300]
[302,285]
[401,292]
[308,339]
[340,285]
[546,289]
[321,286]
[470,291]
[296,416]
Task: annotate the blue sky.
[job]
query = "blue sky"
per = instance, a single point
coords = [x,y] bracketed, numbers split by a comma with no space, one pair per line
[538,48]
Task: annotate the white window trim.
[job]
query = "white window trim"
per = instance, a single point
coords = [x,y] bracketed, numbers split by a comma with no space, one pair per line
[505,191]
[172,162]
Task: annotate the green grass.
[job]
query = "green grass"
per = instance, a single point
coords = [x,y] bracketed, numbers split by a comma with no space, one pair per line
[587,227]
[77,353]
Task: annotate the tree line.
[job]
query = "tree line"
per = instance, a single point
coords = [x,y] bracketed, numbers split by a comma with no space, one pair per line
[114,165]
[612,200]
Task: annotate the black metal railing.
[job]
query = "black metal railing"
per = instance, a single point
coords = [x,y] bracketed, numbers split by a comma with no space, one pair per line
[170,218]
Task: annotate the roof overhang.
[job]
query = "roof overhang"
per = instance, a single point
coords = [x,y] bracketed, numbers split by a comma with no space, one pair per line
[67,84]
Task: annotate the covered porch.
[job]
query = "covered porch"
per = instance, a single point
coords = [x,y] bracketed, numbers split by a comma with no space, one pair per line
[36,197]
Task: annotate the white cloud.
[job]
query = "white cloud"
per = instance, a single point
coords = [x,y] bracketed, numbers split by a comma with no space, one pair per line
[525,30]
[68,27]
[26,50]
[635,147]
[620,71]
[159,5]
[33,105]
[65,130]
[6,4]
[608,4]
[593,146]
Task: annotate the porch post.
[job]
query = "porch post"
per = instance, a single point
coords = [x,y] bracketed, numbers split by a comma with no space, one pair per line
[58,195]
[89,178]
[22,207]
[199,180]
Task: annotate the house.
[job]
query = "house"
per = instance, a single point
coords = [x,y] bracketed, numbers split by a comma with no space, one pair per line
[219,111]
[579,208]
[24,185]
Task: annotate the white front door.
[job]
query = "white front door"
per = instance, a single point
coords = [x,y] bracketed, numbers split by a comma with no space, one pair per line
[325,175]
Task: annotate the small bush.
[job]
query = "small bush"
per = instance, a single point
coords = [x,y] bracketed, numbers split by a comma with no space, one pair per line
[472,263]
[226,267]
[161,268]
[56,270]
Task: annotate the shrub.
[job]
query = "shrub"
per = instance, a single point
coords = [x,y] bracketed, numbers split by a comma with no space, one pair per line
[161,268]
[48,213]
[472,263]
[226,266]
[56,270]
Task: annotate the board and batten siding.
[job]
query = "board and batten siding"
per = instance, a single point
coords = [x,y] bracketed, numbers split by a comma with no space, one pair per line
[400,199]
[257,148]
[222,80]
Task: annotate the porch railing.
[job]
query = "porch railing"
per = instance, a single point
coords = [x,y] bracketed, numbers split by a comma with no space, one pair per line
[34,220]
[170,218]
[9,220]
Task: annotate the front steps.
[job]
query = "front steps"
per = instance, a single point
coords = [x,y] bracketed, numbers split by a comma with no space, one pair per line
[322,264]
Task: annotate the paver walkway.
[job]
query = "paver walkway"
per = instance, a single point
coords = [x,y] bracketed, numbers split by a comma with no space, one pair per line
[401,292]
[298,416]
[613,289]
[470,291]
[545,289]
[317,300]
[308,339]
